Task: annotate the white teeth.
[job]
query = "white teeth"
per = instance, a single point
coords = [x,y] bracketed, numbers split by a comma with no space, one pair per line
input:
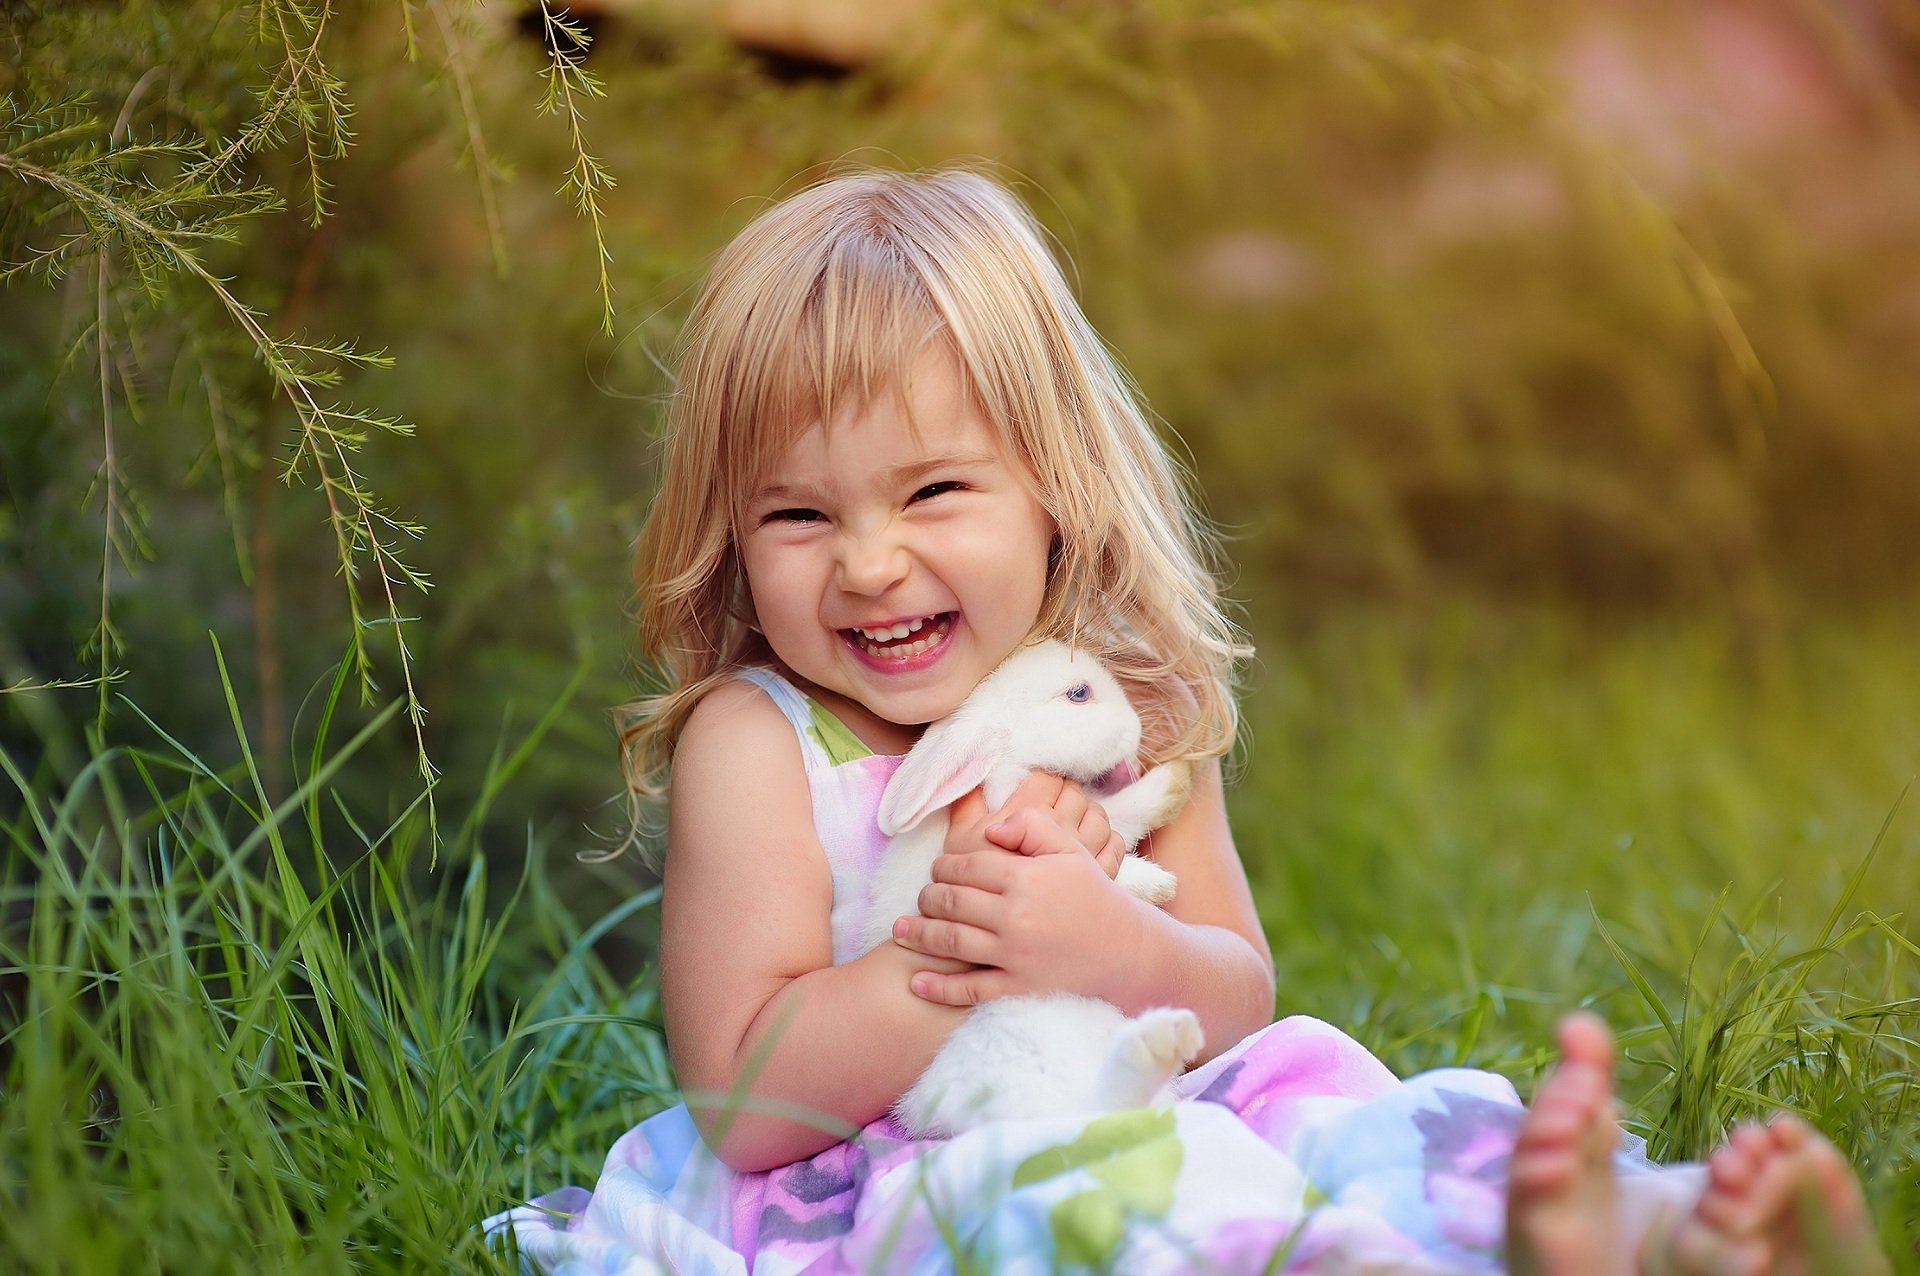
[894,633]
[891,635]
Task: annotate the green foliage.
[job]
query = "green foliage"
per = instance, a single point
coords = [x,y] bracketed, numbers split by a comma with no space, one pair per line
[237,1036]
[241,1038]
[152,212]
[1456,835]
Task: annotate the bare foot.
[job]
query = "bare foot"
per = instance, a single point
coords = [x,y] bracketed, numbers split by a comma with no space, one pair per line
[1780,1201]
[1563,1209]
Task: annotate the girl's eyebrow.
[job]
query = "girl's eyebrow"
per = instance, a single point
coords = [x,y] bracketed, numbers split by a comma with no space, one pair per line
[903,473]
[908,471]
[779,492]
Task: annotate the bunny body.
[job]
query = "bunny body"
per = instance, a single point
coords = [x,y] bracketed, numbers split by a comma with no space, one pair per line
[1046,708]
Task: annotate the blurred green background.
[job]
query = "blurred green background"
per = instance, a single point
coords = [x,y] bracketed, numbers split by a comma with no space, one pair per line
[1607,310]
[1550,369]
[1552,328]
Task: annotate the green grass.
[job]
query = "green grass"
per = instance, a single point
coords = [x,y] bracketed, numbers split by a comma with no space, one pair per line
[1456,837]
[242,1039]
[237,1036]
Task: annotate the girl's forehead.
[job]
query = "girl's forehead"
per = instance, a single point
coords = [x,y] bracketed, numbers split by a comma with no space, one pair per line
[927,413]
[883,441]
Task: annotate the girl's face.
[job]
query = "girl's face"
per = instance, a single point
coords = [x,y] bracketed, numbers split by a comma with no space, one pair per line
[892,567]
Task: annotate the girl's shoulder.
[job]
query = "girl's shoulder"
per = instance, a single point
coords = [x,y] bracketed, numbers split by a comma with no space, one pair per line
[735,724]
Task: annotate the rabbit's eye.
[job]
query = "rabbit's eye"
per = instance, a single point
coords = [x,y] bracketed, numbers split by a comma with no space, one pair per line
[1080,693]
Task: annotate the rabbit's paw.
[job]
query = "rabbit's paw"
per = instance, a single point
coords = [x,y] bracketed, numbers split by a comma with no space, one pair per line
[1149,802]
[1173,781]
[1146,880]
[1160,1042]
[1149,1050]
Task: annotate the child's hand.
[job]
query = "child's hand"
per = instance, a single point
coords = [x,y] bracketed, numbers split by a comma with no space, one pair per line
[1035,923]
[1045,816]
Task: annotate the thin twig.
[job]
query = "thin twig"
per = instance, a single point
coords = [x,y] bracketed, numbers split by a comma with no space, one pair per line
[476,140]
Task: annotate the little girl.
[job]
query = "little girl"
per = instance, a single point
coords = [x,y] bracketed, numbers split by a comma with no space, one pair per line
[898,452]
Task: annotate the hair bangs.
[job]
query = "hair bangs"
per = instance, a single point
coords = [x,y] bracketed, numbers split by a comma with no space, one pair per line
[852,329]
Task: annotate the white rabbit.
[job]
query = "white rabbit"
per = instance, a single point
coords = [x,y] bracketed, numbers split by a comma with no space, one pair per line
[1046,708]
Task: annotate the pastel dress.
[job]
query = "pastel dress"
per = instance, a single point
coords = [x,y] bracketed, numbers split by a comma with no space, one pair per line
[1296,1150]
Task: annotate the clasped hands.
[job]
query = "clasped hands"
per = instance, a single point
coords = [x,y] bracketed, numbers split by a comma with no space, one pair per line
[1015,900]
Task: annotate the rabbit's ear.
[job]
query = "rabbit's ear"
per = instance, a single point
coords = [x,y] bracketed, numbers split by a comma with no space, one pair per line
[951,758]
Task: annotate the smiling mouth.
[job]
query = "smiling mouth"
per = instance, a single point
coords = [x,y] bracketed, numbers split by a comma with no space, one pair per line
[902,641]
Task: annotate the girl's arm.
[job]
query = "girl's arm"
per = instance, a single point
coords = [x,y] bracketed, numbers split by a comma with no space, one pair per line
[1038,922]
[754,1005]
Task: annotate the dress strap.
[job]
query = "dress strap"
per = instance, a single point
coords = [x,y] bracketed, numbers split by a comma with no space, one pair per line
[794,707]
[799,711]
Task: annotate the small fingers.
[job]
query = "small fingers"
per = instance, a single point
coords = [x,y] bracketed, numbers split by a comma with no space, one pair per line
[1094,829]
[1110,855]
[986,870]
[1033,832]
[938,938]
[968,989]
[1038,789]
[968,905]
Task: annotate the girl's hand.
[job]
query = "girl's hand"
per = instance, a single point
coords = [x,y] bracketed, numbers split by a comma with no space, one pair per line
[1034,922]
[1045,816]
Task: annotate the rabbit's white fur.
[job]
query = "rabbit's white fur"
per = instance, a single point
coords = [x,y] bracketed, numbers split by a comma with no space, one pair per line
[1032,1056]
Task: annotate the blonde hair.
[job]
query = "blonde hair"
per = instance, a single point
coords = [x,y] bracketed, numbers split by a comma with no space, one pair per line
[835,292]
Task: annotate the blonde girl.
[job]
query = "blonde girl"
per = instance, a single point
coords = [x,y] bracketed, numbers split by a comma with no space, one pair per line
[890,411]
[897,452]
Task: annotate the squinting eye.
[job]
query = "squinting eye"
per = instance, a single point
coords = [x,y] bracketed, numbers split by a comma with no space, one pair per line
[792,516]
[1079,693]
[937,489]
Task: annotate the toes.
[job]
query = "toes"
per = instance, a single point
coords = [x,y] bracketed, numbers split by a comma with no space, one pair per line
[1777,1198]
[1790,1133]
[1555,1125]
[1542,1173]
[1585,1041]
[1752,1141]
[1839,1189]
[1732,1165]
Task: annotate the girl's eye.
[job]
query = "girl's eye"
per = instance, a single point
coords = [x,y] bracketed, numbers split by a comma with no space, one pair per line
[792,516]
[937,489]
[1080,693]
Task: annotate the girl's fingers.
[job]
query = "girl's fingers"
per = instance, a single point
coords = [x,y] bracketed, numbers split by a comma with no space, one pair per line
[938,938]
[969,989]
[1094,829]
[968,905]
[982,871]
[1038,789]
[1111,854]
[1071,806]
[1033,832]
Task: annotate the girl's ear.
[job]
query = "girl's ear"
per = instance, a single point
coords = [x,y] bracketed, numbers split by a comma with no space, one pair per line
[952,757]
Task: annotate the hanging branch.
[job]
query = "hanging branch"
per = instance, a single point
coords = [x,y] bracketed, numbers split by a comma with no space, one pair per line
[568,81]
[160,231]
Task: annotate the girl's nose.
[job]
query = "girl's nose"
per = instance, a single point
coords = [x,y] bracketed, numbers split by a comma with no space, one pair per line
[873,563]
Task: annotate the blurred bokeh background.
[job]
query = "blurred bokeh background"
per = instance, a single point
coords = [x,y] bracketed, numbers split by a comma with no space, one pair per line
[1502,340]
